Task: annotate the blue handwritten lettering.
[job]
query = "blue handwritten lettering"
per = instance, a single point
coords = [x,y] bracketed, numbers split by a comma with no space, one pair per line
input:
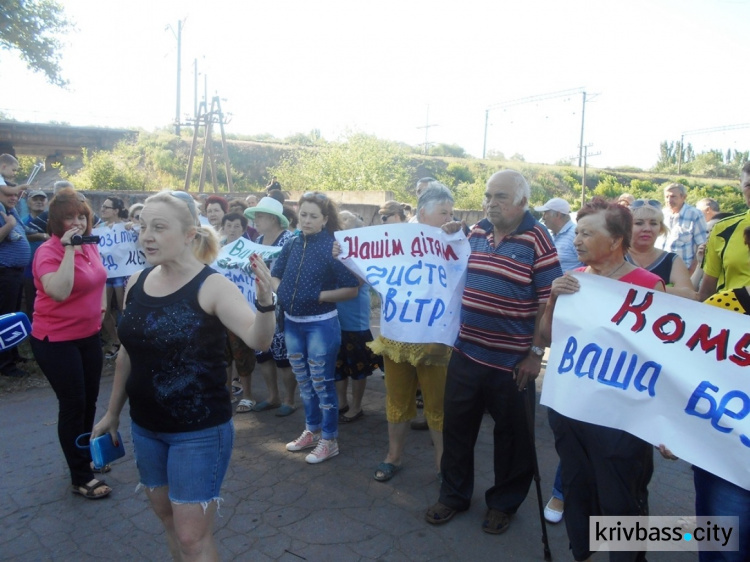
[568,358]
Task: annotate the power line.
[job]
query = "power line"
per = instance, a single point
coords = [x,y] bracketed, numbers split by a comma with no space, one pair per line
[532,99]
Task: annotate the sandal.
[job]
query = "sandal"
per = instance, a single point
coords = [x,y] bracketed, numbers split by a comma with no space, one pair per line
[439,513]
[245,405]
[113,351]
[285,410]
[90,489]
[350,419]
[265,405]
[385,471]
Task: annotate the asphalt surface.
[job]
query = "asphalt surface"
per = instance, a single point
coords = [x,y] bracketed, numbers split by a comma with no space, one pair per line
[276,506]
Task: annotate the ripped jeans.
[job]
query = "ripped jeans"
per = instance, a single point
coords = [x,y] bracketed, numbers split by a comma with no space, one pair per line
[312,349]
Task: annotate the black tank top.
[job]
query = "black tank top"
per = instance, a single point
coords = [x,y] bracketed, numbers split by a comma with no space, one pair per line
[177,377]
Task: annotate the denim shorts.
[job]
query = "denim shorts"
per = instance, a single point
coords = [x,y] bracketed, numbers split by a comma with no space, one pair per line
[116,282]
[193,464]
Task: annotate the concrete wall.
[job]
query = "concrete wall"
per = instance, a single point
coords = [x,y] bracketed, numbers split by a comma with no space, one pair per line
[362,203]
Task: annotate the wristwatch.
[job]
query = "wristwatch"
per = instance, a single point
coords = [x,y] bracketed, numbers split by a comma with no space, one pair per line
[268,308]
[538,351]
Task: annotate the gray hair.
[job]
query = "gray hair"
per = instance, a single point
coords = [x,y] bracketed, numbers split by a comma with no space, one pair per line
[710,204]
[519,183]
[434,194]
[62,184]
[677,187]
[358,222]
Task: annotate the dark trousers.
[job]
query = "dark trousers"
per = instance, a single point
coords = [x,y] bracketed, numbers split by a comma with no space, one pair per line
[73,369]
[469,389]
[11,289]
[605,471]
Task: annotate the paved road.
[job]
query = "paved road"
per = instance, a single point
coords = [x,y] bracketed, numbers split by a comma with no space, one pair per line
[276,506]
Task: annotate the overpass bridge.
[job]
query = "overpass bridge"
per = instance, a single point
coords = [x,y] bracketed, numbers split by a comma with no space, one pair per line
[52,142]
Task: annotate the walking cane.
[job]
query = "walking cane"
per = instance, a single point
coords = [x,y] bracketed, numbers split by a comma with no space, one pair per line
[529,404]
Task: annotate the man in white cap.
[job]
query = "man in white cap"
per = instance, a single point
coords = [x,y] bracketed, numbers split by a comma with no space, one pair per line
[556,217]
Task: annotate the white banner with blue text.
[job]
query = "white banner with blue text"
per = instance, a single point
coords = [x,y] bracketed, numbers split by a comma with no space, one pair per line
[119,250]
[419,272]
[666,369]
[233,262]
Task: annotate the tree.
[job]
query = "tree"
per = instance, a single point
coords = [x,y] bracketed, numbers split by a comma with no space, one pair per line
[361,163]
[32,27]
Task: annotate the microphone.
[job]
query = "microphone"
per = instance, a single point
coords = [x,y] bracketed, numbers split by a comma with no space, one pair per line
[14,328]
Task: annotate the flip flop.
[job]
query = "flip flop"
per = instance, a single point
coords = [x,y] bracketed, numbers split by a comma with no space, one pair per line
[285,410]
[385,471]
[355,417]
[344,410]
[265,405]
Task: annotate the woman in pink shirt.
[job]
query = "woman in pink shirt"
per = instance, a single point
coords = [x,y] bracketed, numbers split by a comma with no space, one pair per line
[70,303]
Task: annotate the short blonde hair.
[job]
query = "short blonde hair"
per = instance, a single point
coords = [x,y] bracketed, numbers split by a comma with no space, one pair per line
[649,212]
[206,242]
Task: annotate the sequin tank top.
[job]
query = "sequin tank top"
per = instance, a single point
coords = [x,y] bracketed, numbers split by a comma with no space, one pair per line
[177,377]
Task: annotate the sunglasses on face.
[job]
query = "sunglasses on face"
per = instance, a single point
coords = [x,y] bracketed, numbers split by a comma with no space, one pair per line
[385,218]
[646,202]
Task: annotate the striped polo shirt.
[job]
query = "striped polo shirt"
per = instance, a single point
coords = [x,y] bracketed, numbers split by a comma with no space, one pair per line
[505,284]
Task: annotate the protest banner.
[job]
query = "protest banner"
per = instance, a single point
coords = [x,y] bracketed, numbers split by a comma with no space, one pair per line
[233,262]
[666,369]
[419,272]
[119,250]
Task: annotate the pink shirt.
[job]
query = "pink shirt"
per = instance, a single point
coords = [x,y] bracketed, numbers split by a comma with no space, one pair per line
[78,316]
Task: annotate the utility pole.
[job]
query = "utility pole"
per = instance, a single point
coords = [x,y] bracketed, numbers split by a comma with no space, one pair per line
[179,72]
[585,151]
[426,128]
[195,88]
[583,117]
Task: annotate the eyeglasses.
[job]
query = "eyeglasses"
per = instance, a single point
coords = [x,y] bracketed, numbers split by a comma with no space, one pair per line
[643,202]
[136,217]
[188,201]
[385,218]
[107,207]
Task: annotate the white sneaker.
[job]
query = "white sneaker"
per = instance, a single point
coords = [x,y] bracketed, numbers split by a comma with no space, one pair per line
[326,449]
[307,440]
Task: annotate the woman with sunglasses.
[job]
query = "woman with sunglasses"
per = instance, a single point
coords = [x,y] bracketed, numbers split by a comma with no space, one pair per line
[648,225]
[310,282]
[171,368]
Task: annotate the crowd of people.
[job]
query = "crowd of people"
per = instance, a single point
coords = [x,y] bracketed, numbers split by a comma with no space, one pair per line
[175,325]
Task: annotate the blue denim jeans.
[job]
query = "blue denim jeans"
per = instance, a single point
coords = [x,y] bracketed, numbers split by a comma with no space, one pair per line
[557,486]
[313,348]
[715,496]
[192,463]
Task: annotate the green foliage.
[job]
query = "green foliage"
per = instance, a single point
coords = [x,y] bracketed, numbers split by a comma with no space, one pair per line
[443,149]
[361,163]
[110,171]
[32,27]
[608,187]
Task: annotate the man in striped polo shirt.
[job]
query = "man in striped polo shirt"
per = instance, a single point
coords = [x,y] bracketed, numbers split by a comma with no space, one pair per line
[498,352]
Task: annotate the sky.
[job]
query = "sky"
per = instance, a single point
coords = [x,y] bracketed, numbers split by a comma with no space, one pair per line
[651,69]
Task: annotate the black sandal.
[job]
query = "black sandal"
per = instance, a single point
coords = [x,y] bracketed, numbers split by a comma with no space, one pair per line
[90,488]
